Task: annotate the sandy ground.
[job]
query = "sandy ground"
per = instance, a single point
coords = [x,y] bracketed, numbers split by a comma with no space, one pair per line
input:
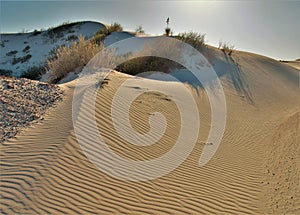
[254,171]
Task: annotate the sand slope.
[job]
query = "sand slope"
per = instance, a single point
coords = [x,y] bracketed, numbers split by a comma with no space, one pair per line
[22,51]
[44,170]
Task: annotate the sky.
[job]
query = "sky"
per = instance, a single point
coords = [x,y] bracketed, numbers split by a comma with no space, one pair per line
[270,28]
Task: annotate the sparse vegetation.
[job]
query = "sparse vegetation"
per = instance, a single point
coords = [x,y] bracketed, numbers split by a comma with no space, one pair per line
[63,27]
[140,30]
[34,73]
[36,32]
[23,31]
[23,59]
[72,37]
[115,27]
[197,40]
[5,72]
[26,49]
[11,53]
[104,32]
[68,59]
[226,47]
[70,31]
[58,31]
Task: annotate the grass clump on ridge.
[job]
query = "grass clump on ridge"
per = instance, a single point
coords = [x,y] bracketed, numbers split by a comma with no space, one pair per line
[195,39]
[226,47]
[103,32]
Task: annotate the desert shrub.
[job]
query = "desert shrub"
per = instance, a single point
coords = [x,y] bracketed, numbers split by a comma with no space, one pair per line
[100,35]
[5,72]
[140,30]
[59,31]
[115,27]
[36,32]
[23,59]
[226,47]
[68,59]
[26,49]
[34,73]
[11,53]
[63,27]
[197,40]
[167,30]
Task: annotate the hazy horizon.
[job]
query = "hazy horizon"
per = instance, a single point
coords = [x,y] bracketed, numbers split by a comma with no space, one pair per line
[266,28]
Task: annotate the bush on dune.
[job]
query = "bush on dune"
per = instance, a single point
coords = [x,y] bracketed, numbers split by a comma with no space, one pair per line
[226,47]
[197,40]
[68,59]
[103,32]
[139,30]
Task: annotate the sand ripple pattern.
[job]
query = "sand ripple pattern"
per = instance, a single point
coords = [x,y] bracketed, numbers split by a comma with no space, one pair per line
[44,170]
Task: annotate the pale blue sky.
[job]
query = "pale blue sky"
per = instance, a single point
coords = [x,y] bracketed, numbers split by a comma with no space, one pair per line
[270,28]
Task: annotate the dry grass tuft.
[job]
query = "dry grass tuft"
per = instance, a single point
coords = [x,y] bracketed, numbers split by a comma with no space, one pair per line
[71,58]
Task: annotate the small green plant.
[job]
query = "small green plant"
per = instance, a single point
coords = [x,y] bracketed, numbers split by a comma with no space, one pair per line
[226,47]
[197,40]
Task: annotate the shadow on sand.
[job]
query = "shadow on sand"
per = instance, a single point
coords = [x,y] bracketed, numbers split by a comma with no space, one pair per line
[238,79]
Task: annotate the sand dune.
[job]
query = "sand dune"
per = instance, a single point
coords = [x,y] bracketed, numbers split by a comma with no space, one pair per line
[44,170]
[21,52]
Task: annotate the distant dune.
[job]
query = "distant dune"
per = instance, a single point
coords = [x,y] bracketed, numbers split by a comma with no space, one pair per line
[22,51]
[254,171]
